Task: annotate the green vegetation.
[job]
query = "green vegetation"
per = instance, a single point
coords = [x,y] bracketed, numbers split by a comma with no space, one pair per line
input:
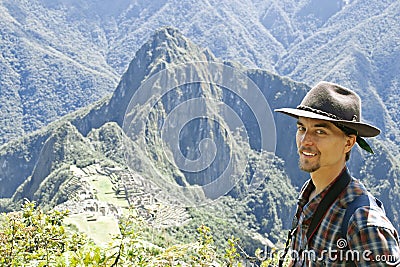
[31,237]
[101,230]
[105,191]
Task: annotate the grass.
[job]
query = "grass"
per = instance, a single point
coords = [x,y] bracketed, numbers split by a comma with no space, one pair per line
[102,230]
[97,227]
[105,192]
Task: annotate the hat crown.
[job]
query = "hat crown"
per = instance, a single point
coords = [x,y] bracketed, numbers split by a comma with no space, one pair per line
[333,101]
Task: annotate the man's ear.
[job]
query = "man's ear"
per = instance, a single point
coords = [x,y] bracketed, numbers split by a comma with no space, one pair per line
[350,142]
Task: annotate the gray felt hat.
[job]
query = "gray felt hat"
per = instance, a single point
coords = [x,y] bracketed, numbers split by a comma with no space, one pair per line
[334,103]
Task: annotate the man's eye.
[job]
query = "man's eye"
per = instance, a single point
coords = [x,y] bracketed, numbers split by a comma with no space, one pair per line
[301,128]
[320,131]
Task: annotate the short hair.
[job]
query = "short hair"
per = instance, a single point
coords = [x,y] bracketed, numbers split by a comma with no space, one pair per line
[348,155]
[347,131]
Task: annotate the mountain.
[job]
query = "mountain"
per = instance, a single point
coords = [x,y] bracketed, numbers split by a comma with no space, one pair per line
[354,48]
[134,140]
[58,56]
[106,135]
[65,58]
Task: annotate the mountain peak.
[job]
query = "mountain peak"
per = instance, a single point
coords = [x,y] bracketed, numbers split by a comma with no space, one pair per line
[167,33]
[169,45]
[166,46]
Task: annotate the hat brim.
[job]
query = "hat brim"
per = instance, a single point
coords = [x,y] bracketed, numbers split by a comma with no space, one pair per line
[363,129]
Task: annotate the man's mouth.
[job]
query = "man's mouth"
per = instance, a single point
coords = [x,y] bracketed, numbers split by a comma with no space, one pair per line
[307,153]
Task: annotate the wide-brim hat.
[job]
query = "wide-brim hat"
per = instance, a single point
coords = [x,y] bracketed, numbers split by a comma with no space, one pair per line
[331,102]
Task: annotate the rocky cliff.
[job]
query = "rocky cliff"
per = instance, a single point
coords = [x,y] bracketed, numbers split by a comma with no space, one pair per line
[194,126]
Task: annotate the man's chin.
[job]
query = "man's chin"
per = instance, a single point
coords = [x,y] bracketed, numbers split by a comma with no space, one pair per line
[308,168]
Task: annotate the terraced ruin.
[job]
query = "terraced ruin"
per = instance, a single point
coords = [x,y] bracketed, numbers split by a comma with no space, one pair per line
[98,196]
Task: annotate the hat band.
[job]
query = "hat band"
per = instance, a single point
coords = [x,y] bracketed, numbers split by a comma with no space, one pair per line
[319,112]
[360,141]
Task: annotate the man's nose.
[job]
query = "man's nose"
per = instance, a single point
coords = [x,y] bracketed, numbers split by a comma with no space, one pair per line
[306,138]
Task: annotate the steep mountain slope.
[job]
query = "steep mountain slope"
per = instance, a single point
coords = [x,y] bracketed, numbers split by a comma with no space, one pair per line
[58,56]
[354,48]
[102,134]
[62,55]
[118,132]
[51,68]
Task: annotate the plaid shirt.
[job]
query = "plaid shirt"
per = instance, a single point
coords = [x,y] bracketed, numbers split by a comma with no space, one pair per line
[371,238]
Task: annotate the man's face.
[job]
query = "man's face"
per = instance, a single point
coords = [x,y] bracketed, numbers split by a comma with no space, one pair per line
[320,144]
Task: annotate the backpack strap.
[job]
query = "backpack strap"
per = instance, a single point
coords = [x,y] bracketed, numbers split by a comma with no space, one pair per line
[334,192]
[358,202]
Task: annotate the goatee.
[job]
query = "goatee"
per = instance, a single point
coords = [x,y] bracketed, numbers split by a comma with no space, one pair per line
[304,166]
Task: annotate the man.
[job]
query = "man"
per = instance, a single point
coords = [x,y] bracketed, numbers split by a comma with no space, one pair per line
[324,234]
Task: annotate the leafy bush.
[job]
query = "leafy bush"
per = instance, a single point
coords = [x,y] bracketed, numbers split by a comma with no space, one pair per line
[31,237]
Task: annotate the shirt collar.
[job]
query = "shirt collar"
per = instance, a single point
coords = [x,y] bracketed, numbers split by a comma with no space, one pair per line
[309,207]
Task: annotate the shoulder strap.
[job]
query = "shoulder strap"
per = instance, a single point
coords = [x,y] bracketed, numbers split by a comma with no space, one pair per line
[360,201]
[333,193]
